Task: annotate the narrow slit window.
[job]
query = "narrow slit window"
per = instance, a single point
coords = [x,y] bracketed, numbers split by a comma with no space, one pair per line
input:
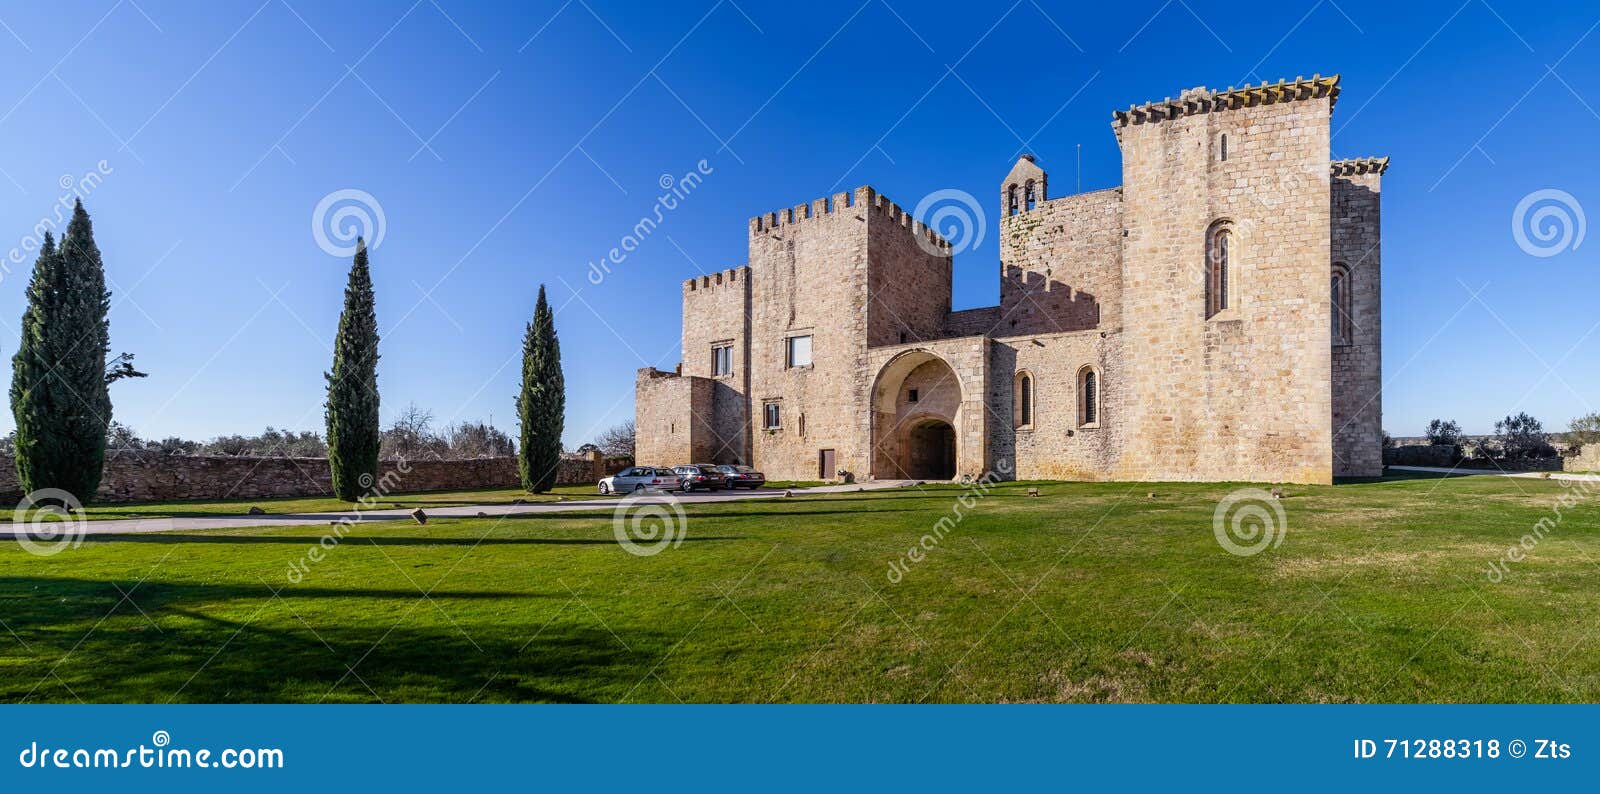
[1339,304]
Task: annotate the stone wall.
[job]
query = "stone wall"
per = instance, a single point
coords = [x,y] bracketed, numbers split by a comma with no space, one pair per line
[1587,459]
[1357,364]
[909,282]
[154,477]
[1057,445]
[672,418]
[716,312]
[1062,266]
[1243,394]
[810,271]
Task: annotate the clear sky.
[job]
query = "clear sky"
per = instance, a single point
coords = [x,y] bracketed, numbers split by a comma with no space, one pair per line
[511,144]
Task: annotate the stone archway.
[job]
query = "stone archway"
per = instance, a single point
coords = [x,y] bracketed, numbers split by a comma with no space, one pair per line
[916,408]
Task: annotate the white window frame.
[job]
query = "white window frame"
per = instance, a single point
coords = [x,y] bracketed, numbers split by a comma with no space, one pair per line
[722,359]
[790,359]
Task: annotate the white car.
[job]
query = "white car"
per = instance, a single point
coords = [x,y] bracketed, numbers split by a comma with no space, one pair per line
[637,479]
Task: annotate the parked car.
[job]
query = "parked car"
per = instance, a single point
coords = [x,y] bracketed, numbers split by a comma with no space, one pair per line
[641,478]
[701,477]
[743,477]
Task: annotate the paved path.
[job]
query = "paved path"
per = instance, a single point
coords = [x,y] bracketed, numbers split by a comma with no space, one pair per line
[1533,475]
[157,524]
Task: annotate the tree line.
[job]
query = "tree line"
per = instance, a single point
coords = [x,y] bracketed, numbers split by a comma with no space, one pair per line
[1519,436]
[61,377]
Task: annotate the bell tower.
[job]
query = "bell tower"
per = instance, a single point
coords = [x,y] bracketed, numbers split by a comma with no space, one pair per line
[1023,188]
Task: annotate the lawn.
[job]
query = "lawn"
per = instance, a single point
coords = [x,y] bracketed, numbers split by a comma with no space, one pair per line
[328,504]
[1091,592]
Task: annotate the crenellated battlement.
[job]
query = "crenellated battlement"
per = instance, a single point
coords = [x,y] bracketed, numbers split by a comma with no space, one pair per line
[801,213]
[720,281]
[1199,100]
[864,196]
[1359,165]
[895,214]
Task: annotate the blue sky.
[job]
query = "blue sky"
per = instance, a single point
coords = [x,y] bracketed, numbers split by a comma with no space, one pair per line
[509,145]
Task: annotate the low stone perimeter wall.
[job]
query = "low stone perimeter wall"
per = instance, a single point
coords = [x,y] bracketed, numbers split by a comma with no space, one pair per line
[1587,459]
[154,477]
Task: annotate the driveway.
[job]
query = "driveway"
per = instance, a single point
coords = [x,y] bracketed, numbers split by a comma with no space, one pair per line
[121,526]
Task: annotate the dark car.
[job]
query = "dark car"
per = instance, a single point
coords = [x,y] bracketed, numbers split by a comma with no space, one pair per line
[701,477]
[743,477]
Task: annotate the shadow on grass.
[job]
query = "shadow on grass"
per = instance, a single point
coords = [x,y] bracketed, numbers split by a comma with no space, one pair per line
[303,540]
[96,596]
[275,651]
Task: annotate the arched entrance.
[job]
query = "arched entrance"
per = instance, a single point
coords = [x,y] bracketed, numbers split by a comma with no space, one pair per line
[931,453]
[916,408]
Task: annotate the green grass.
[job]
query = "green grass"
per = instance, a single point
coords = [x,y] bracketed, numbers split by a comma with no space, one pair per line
[328,504]
[1091,592]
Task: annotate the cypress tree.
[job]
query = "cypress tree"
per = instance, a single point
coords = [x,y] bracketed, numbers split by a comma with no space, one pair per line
[58,387]
[352,407]
[541,407]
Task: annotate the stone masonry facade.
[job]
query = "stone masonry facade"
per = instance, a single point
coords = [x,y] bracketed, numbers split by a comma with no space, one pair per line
[1214,318]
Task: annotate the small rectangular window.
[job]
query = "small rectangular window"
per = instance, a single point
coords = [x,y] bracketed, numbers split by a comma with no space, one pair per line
[912,397]
[799,351]
[770,417]
[721,360]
